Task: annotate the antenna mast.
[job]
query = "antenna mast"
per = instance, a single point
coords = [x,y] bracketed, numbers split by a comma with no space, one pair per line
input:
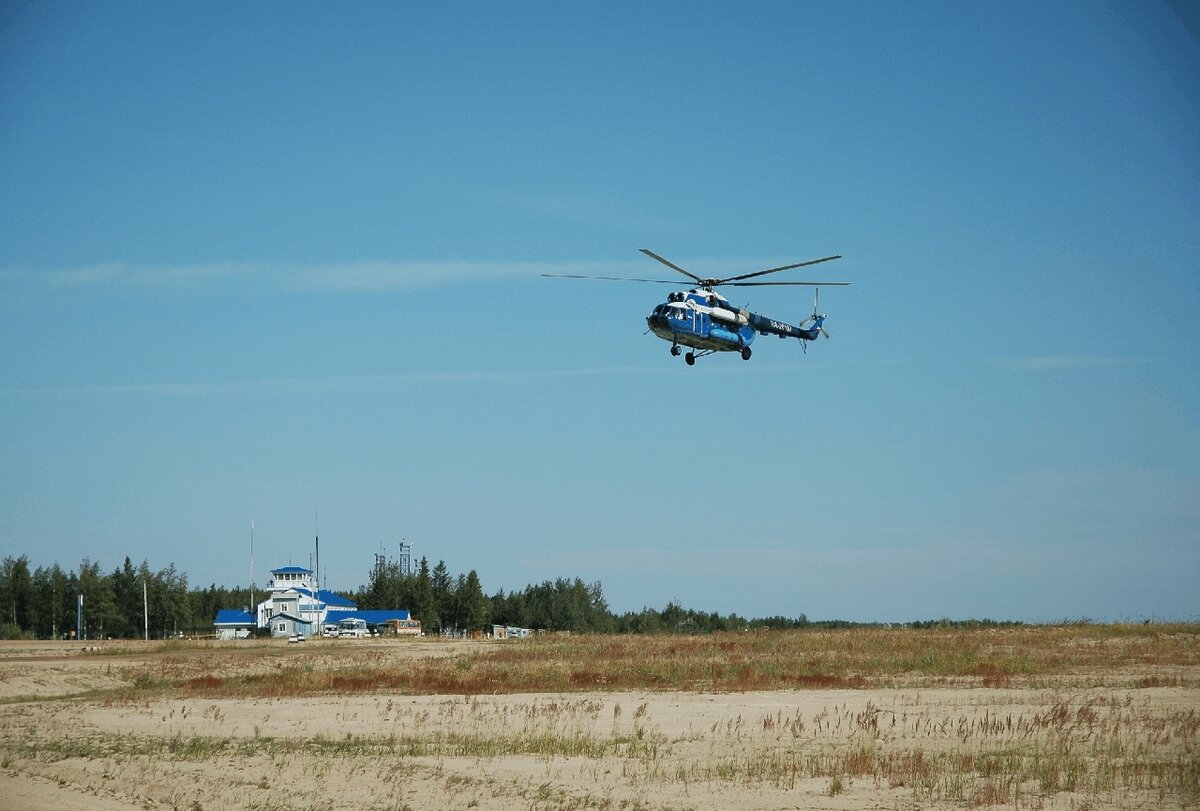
[405,558]
[252,606]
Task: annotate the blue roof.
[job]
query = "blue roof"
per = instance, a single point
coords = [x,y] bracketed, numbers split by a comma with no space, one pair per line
[375,616]
[328,597]
[292,570]
[296,620]
[233,616]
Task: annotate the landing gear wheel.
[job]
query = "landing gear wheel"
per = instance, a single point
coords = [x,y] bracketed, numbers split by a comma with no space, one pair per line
[745,353]
[675,350]
[690,359]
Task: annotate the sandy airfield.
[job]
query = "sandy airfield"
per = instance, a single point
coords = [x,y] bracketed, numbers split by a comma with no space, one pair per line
[74,735]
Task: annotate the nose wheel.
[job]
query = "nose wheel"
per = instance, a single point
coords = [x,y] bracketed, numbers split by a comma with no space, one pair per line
[690,357]
[745,353]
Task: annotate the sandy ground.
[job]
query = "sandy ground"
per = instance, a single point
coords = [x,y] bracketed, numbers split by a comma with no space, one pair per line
[65,747]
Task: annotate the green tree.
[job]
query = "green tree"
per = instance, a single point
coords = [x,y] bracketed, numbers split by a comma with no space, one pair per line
[390,588]
[54,602]
[441,590]
[125,619]
[98,602]
[423,605]
[601,619]
[500,607]
[376,593]
[471,606]
[16,596]
[169,604]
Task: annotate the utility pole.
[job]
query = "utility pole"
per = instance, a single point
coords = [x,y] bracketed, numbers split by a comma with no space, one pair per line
[145,611]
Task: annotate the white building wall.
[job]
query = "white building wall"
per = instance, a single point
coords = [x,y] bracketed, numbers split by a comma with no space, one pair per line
[285,598]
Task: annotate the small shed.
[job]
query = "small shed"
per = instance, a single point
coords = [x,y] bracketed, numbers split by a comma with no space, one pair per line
[233,623]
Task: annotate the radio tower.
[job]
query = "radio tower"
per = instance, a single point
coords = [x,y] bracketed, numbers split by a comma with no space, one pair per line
[405,558]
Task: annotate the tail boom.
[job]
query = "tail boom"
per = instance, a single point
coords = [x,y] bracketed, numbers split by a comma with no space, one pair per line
[769,326]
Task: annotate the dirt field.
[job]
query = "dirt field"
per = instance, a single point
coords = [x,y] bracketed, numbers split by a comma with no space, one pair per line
[270,726]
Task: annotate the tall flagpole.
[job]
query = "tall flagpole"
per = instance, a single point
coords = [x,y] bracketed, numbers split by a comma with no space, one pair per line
[253,607]
[316,589]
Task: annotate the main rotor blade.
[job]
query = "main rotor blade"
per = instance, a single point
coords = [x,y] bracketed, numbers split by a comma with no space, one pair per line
[787,284]
[671,265]
[784,267]
[609,278]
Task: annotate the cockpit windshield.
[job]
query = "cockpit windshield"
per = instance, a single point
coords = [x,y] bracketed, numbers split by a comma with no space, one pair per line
[673,310]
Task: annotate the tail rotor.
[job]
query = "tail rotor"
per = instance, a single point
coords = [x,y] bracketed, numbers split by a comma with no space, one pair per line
[817,320]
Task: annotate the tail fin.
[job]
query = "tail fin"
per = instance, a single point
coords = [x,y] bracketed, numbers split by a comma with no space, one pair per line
[816,328]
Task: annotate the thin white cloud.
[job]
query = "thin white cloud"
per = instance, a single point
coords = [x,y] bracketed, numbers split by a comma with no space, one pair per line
[295,385]
[122,274]
[368,276]
[382,276]
[343,277]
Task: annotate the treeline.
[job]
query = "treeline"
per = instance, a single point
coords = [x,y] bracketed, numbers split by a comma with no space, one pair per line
[433,596]
[125,603]
[41,603]
[446,603]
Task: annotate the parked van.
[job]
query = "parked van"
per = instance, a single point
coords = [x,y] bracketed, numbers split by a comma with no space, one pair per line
[353,629]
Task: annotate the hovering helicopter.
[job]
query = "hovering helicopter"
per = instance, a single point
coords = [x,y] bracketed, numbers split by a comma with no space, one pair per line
[704,321]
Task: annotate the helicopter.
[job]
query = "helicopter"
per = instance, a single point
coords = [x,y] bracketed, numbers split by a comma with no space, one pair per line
[704,321]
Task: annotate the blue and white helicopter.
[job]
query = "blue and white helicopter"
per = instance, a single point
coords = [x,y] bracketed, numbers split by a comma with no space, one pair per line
[704,321]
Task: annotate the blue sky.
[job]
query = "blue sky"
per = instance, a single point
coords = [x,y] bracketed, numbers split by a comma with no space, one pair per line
[279,262]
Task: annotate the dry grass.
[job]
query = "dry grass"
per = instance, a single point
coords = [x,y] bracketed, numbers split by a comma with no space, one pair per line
[1051,656]
[1073,717]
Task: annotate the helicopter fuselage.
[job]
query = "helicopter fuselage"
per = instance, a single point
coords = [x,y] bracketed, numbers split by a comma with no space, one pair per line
[704,320]
[701,320]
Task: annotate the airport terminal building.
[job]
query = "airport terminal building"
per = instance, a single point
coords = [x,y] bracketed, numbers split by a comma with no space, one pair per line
[296,606]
